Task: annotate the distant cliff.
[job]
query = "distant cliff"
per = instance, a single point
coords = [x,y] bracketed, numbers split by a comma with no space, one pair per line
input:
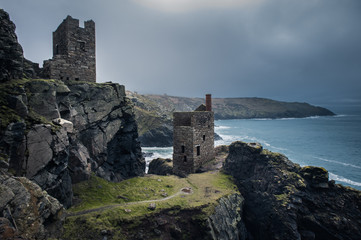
[154,112]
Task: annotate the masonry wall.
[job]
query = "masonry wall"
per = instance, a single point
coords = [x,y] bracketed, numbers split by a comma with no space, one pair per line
[203,127]
[73,52]
[183,161]
[193,138]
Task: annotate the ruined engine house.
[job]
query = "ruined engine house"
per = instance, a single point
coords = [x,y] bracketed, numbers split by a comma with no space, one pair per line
[193,137]
[73,52]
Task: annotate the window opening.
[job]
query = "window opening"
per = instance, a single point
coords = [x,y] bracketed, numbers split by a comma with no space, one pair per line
[82,46]
[183,149]
[185,159]
[204,137]
[198,150]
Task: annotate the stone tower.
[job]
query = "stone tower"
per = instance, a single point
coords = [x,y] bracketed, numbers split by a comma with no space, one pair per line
[193,138]
[73,52]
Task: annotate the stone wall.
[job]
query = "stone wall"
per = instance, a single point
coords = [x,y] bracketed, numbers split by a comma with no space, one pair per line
[193,138]
[73,52]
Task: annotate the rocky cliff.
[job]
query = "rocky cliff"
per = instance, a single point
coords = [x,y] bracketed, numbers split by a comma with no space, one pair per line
[286,201]
[26,211]
[154,113]
[57,135]
[13,65]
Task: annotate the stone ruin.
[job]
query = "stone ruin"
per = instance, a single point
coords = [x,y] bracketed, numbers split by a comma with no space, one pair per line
[73,52]
[193,137]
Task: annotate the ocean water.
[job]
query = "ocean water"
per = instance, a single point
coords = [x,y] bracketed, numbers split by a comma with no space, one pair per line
[330,142]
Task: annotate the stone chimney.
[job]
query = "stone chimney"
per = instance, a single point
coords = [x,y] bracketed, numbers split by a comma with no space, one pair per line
[208,102]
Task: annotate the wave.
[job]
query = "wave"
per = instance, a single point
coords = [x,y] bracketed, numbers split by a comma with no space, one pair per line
[149,149]
[262,119]
[344,180]
[157,152]
[337,162]
[222,127]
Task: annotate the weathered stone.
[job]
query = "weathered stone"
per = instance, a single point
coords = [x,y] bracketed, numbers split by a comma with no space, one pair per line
[152,206]
[160,166]
[193,135]
[79,163]
[43,98]
[285,201]
[226,222]
[5,196]
[11,52]
[73,52]
[317,176]
[16,103]
[31,213]
[39,146]
[14,142]
[67,125]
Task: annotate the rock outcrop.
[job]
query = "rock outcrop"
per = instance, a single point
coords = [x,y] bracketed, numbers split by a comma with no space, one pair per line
[226,222]
[26,211]
[13,65]
[286,201]
[57,135]
[161,166]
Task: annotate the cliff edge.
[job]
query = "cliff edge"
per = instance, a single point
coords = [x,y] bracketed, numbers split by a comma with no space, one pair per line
[286,201]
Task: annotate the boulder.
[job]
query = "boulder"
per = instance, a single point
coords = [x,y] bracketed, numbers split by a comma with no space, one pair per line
[27,212]
[161,166]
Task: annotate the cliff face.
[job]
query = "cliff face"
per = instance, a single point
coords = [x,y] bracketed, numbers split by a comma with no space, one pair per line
[226,222]
[13,65]
[285,201]
[57,135]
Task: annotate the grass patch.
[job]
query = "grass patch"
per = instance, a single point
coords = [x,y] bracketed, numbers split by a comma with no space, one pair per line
[97,192]
[207,189]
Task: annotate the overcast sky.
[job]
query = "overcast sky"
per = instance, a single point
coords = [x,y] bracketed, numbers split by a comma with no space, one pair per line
[308,51]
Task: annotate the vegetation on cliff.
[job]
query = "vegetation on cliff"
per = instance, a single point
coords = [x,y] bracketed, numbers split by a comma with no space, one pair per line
[121,210]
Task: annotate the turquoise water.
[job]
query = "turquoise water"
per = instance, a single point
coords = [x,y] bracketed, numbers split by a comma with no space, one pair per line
[330,142]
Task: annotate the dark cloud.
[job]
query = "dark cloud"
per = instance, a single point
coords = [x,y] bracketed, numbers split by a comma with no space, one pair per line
[281,49]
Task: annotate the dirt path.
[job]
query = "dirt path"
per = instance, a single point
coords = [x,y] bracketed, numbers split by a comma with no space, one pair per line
[186,190]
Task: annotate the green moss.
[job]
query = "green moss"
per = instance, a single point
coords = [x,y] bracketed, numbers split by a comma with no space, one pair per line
[16,87]
[283,198]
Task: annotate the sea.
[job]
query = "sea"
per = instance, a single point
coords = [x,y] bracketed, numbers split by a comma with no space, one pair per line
[332,142]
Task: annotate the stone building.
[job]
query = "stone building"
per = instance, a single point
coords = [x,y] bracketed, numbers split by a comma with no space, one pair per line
[193,137]
[73,52]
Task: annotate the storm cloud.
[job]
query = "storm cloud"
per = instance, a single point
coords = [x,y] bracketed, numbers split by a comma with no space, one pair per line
[281,49]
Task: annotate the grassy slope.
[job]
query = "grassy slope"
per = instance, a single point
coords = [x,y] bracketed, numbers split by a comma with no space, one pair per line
[207,189]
